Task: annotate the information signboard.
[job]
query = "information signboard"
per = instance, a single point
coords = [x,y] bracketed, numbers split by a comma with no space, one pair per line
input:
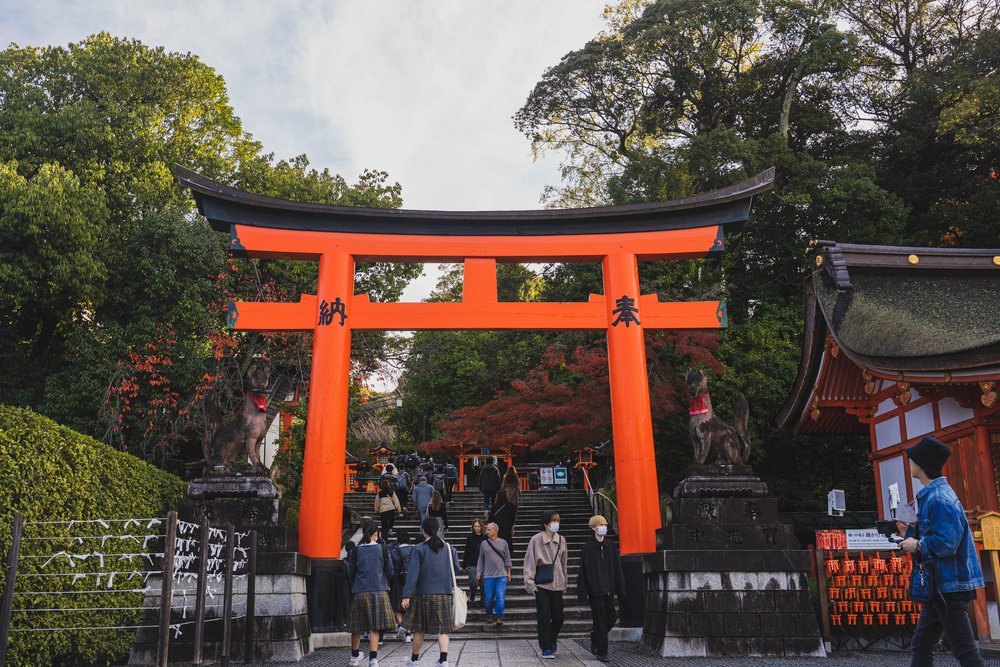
[989,523]
[868,539]
[548,478]
[561,476]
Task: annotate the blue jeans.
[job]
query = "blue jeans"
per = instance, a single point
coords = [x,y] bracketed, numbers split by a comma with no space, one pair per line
[494,595]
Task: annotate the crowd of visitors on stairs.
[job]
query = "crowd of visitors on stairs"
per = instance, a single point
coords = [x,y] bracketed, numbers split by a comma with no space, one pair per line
[398,588]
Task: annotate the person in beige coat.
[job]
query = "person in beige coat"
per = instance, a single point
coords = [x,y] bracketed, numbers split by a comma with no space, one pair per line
[545,562]
[387,507]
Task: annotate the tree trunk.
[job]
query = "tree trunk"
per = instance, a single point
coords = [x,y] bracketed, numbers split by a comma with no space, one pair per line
[793,83]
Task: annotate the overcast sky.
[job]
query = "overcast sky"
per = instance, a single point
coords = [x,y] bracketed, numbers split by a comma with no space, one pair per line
[424,89]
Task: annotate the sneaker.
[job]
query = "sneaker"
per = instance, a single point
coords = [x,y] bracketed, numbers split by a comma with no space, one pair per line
[410,662]
[373,662]
[490,619]
[547,654]
[355,661]
[409,640]
[442,664]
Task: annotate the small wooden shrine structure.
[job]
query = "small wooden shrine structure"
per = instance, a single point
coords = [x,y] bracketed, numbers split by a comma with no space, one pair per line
[900,343]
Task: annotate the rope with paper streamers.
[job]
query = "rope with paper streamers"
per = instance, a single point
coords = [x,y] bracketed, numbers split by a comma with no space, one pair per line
[74,570]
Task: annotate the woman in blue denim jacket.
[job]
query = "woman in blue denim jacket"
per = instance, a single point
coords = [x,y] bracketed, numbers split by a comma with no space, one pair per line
[944,539]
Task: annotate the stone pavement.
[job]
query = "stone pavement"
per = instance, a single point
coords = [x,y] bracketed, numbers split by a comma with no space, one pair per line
[574,653]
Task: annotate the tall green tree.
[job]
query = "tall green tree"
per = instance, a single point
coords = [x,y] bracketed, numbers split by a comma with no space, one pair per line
[117,287]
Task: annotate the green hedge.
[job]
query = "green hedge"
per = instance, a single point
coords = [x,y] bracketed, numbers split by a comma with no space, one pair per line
[51,473]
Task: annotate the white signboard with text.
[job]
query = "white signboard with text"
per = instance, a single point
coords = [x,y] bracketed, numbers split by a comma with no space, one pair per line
[868,539]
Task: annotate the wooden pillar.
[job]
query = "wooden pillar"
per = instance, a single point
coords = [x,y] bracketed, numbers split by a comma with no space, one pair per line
[635,460]
[322,504]
[461,473]
[984,461]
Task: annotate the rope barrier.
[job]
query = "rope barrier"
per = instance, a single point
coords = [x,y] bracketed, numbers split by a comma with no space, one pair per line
[32,610]
[98,591]
[81,575]
[175,627]
[80,538]
[98,627]
[153,521]
[184,546]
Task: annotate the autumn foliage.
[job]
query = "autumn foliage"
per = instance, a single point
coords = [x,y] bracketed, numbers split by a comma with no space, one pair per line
[564,401]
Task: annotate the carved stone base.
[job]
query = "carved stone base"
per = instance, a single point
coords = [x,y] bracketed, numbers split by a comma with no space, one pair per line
[233,486]
[728,578]
[725,523]
[730,603]
[720,481]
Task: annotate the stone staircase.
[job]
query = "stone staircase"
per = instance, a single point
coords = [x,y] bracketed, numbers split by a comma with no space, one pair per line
[519,616]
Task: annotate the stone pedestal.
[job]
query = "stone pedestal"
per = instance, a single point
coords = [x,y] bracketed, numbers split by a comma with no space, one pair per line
[728,578]
[281,625]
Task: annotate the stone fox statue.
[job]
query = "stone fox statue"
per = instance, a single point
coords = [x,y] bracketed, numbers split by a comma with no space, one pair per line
[227,439]
[708,432]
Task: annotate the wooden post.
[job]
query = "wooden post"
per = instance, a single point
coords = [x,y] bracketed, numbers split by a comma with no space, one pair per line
[17,528]
[461,472]
[632,425]
[824,602]
[227,597]
[995,563]
[167,589]
[199,603]
[251,615]
[322,503]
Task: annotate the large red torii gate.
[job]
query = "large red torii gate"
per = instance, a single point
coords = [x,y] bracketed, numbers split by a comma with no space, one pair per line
[337,237]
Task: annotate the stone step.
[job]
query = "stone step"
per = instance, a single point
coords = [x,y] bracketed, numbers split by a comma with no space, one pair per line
[525,614]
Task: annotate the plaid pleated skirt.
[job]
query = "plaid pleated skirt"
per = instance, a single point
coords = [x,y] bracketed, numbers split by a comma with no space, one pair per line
[430,613]
[371,611]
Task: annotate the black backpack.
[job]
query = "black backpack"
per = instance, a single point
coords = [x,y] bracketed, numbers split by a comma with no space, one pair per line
[439,482]
[400,560]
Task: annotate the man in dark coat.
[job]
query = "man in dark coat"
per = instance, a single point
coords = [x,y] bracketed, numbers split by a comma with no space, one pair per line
[600,578]
[489,484]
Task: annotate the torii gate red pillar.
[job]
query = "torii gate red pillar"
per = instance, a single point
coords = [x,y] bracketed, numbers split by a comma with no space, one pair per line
[635,461]
[322,501]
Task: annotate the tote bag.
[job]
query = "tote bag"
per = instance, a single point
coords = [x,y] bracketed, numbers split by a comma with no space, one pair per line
[458,599]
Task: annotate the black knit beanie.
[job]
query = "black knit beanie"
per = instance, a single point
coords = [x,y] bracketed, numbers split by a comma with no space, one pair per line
[930,454]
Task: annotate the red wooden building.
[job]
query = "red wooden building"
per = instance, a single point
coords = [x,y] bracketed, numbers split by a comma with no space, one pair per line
[900,343]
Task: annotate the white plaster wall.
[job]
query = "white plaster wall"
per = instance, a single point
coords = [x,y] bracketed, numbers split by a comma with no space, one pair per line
[892,471]
[920,420]
[952,413]
[887,433]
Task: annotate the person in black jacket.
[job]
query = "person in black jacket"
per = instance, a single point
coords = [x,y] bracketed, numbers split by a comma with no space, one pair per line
[600,578]
[439,510]
[489,484]
[504,515]
[470,557]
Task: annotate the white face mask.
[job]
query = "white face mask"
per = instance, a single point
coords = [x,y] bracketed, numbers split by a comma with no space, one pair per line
[554,527]
[601,530]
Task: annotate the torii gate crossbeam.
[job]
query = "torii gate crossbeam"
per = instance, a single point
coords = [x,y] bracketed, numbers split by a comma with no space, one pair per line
[338,237]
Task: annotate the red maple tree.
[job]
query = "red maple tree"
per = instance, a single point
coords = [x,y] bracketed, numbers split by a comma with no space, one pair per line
[565,400]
